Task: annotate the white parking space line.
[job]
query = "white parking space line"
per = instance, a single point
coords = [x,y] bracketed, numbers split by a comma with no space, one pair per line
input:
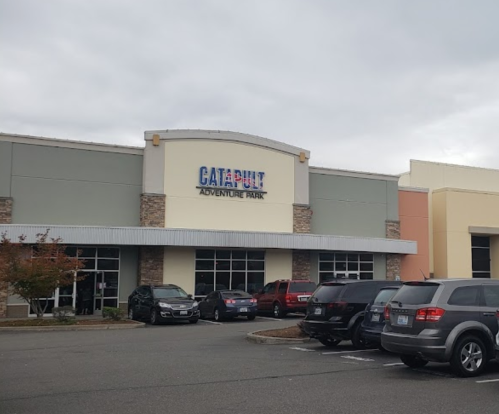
[348,352]
[393,364]
[213,322]
[485,381]
[358,358]
[270,319]
[295,348]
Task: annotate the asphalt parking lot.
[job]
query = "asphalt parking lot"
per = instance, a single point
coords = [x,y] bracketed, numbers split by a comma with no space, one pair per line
[211,368]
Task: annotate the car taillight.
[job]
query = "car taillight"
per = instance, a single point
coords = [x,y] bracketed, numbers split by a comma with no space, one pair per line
[387,312]
[337,305]
[429,314]
[288,298]
[229,301]
[253,300]
[497,314]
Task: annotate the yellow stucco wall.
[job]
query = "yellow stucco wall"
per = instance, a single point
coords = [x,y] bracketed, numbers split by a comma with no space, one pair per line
[179,266]
[455,210]
[186,208]
[435,176]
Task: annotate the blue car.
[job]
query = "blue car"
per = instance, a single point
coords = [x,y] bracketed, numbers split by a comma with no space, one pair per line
[228,304]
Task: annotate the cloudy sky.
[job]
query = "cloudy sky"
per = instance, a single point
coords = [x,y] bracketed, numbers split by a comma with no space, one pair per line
[365,85]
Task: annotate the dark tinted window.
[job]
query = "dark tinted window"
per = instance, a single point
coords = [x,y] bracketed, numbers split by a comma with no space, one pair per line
[384,296]
[166,293]
[144,290]
[416,294]
[235,294]
[465,296]
[269,288]
[283,287]
[360,292]
[491,296]
[302,287]
[327,293]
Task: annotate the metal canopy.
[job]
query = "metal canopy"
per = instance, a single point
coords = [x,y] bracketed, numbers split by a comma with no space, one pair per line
[147,236]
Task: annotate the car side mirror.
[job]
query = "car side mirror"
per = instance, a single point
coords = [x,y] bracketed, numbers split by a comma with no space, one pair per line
[189,296]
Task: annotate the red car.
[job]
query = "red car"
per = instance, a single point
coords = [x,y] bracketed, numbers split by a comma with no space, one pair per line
[285,296]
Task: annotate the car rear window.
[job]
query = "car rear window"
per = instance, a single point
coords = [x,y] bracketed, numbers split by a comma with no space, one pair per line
[416,294]
[302,287]
[227,295]
[327,293]
[384,296]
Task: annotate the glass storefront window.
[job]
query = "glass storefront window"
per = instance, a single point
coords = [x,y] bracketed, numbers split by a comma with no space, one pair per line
[345,266]
[229,269]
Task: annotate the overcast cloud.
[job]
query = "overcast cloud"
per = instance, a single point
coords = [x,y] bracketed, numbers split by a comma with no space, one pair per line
[365,85]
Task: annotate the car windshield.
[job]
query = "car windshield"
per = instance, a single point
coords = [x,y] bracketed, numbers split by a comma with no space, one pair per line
[167,293]
[235,295]
[302,287]
[327,293]
[416,293]
[384,296]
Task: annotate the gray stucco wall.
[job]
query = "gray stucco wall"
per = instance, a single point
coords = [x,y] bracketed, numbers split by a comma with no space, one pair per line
[5,167]
[52,185]
[352,206]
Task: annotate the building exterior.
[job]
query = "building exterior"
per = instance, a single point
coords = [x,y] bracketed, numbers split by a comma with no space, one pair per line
[201,209]
[463,218]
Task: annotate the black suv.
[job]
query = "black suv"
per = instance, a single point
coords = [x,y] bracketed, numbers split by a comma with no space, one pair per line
[158,303]
[444,321]
[336,310]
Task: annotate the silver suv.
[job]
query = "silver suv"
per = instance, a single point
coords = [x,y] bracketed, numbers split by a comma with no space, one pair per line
[444,321]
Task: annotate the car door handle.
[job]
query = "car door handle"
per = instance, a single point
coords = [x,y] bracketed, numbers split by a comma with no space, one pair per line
[488,314]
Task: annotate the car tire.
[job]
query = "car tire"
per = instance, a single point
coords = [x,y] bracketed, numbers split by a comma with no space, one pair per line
[131,314]
[357,340]
[154,320]
[277,311]
[251,317]
[413,361]
[330,343]
[217,316]
[469,357]
[193,320]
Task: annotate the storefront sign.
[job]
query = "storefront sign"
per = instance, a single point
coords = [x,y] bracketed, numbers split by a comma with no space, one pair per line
[228,182]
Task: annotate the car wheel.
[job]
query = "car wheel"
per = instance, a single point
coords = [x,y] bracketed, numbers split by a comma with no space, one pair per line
[469,357]
[216,315]
[277,311]
[413,361]
[251,317]
[154,317]
[330,343]
[193,321]
[131,314]
[357,340]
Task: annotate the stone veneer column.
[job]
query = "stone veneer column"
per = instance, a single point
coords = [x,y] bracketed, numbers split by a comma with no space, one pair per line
[5,218]
[393,260]
[151,258]
[302,217]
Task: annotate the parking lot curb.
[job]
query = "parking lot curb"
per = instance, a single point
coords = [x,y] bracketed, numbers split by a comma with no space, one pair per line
[72,327]
[272,340]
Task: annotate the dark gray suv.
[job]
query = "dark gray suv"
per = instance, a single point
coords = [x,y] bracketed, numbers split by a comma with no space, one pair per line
[444,321]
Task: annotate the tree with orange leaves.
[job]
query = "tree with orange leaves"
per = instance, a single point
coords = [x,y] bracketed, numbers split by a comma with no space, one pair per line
[35,271]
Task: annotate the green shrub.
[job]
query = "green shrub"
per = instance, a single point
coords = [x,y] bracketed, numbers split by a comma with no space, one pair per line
[115,314]
[64,313]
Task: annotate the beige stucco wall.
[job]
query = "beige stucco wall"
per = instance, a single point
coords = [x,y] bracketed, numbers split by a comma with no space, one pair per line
[179,266]
[494,257]
[277,265]
[455,210]
[186,208]
[435,176]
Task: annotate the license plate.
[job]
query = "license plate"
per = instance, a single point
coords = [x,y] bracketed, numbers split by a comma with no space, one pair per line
[303,298]
[375,317]
[318,311]
[183,312]
[243,310]
[402,320]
